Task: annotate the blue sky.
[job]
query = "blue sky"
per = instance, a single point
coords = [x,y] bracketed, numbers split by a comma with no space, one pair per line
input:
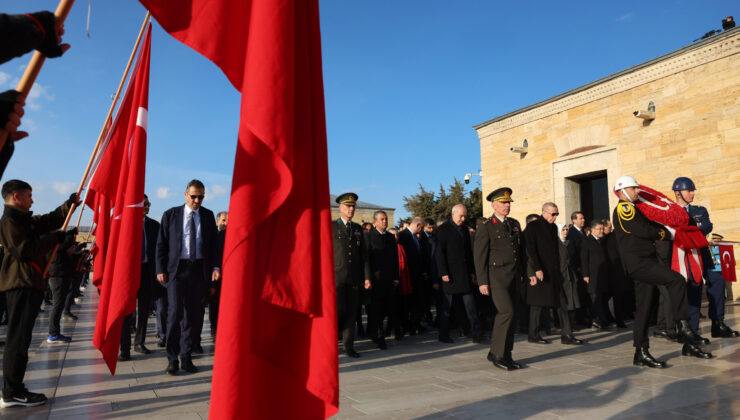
[404,82]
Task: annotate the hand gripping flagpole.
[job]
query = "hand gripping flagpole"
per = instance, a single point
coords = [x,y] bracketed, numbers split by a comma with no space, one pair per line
[101,136]
[34,66]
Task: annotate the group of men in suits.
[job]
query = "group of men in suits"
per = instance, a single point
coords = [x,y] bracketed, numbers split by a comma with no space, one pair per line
[181,272]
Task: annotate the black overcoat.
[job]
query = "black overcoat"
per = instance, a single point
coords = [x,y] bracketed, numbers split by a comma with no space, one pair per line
[382,254]
[543,254]
[595,265]
[454,257]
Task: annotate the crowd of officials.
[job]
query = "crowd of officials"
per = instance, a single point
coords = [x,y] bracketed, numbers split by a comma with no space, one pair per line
[503,277]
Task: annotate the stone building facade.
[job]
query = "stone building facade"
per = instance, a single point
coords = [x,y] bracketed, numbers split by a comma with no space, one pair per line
[580,142]
[363,211]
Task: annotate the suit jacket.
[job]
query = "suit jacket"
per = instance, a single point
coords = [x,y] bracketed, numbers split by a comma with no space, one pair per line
[414,258]
[382,253]
[636,235]
[595,264]
[149,271]
[497,253]
[454,257]
[575,239]
[429,247]
[350,254]
[543,253]
[169,242]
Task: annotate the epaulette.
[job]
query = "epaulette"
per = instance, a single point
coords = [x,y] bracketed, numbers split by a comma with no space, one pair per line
[626,211]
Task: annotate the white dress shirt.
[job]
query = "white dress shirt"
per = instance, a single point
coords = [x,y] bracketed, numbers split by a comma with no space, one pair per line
[185,249]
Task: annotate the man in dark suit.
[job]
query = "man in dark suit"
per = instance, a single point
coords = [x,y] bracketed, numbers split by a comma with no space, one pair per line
[187,262]
[214,291]
[545,277]
[418,273]
[147,286]
[498,266]
[454,257]
[382,253]
[351,269]
[595,270]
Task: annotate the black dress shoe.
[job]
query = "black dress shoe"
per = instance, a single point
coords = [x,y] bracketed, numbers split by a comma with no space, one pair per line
[720,329]
[161,343]
[537,340]
[124,357]
[514,364]
[621,324]
[172,368]
[499,363]
[667,334]
[197,349]
[446,340]
[696,351]
[188,366]
[570,339]
[70,316]
[381,343]
[597,325]
[644,358]
[703,340]
[477,339]
[140,348]
[352,353]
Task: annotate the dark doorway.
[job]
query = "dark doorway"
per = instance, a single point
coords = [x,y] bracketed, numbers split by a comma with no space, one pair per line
[594,193]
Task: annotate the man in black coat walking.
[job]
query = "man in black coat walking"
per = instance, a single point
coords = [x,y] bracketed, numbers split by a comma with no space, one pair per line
[545,278]
[595,270]
[382,255]
[417,271]
[454,257]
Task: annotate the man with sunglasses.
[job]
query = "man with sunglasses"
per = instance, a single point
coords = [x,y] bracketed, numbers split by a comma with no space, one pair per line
[187,261]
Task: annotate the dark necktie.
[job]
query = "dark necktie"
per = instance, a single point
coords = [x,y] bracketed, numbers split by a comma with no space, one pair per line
[192,236]
[507,225]
[349,229]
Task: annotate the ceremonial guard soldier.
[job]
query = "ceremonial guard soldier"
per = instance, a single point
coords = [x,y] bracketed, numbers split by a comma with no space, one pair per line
[498,266]
[351,269]
[684,189]
[636,235]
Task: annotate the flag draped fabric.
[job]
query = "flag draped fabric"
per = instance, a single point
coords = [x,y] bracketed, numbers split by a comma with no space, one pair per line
[276,345]
[116,194]
[727,259]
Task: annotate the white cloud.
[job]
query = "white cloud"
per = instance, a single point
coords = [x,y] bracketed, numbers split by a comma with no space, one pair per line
[625,17]
[28,124]
[217,190]
[4,77]
[163,192]
[64,187]
[38,93]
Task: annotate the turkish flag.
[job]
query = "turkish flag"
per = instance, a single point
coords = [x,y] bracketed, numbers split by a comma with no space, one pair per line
[276,353]
[116,191]
[727,259]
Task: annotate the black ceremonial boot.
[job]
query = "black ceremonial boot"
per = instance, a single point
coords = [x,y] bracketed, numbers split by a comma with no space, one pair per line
[686,334]
[720,329]
[696,351]
[644,358]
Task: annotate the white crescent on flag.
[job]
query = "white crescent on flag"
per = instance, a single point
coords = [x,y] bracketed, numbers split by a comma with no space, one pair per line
[729,259]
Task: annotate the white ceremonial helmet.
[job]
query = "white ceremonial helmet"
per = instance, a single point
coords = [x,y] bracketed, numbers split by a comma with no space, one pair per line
[625,181]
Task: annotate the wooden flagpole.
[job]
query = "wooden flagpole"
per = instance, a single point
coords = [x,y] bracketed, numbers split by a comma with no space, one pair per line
[34,66]
[101,136]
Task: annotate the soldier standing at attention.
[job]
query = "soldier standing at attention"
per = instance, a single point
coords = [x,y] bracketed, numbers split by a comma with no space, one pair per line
[351,269]
[636,236]
[498,267]
[684,190]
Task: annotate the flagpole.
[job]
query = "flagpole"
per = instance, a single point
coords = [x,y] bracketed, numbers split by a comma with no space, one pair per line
[101,136]
[34,66]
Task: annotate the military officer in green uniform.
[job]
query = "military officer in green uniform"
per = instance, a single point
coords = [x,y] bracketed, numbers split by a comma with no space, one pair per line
[636,236]
[498,267]
[351,269]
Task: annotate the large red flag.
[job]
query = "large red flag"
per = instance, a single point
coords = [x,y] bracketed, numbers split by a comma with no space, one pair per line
[727,259]
[119,181]
[276,353]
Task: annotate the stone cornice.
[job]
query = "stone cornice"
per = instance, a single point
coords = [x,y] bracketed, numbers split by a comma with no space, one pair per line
[677,61]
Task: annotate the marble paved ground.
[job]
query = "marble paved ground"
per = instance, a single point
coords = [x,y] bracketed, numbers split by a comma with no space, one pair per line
[417,378]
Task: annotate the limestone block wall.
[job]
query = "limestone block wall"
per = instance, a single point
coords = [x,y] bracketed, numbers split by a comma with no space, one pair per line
[696,133]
